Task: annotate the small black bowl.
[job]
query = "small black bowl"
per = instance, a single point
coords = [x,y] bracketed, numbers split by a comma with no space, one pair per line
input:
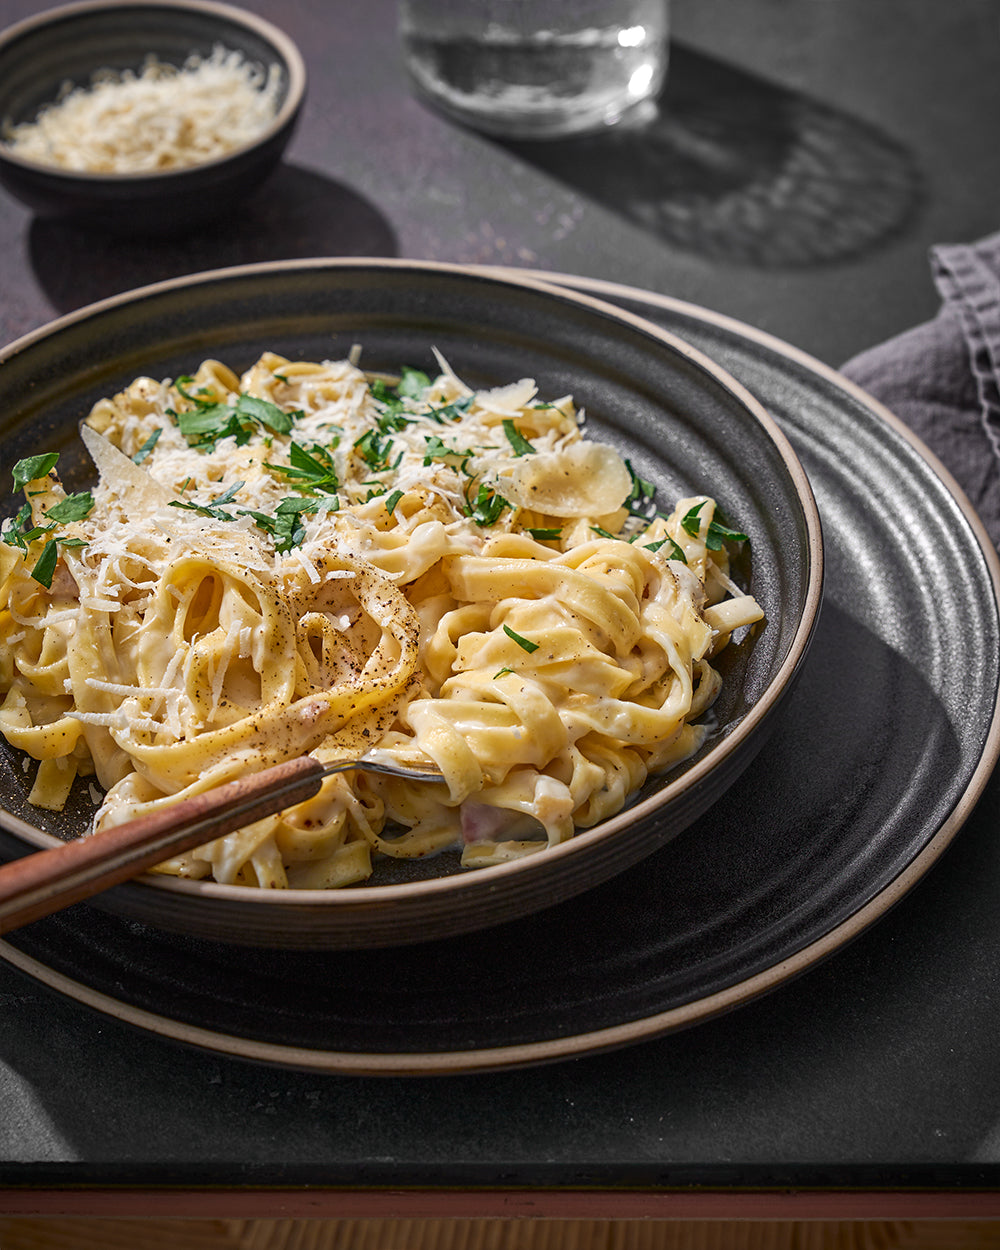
[39,55]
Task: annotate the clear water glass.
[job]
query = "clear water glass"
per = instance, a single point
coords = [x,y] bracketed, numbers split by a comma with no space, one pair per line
[536,69]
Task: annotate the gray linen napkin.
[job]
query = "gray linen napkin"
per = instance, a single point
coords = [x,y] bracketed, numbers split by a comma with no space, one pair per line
[942,378]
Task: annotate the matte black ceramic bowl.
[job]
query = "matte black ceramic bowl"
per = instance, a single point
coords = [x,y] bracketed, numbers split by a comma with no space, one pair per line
[684,423]
[39,55]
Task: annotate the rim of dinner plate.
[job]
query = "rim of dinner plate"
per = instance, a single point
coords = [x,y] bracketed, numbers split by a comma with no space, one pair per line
[363,896]
[285,47]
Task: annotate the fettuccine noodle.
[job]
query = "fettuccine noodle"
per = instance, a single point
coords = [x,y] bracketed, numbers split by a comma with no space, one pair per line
[307,560]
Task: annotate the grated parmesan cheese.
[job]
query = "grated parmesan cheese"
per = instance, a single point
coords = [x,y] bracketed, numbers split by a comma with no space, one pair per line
[307,566]
[161,118]
[99,605]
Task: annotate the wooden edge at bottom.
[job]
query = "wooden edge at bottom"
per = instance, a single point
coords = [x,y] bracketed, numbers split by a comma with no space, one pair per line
[316,1203]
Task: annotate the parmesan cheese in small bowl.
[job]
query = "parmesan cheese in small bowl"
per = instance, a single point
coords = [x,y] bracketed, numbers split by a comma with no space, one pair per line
[144,118]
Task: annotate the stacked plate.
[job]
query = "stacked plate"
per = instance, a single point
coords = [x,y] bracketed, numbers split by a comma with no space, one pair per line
[788,832]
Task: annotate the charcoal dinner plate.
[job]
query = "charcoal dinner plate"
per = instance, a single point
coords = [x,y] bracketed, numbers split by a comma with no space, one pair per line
[875,762]
[681,421]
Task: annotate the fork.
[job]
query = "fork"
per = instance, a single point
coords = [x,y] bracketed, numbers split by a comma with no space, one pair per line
[46,881]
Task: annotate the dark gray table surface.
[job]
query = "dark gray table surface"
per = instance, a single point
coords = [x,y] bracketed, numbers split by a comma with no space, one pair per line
[807,157]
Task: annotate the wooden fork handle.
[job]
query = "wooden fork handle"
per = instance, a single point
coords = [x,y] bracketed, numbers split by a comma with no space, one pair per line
[45,881]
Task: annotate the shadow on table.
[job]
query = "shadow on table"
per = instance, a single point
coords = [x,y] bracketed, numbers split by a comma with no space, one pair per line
[744,171]
[297,213]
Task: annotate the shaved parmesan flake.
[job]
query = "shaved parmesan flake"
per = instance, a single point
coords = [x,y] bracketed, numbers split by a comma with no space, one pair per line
[307,565]
[99,605]
[583,479]
[123,477]
[509,400]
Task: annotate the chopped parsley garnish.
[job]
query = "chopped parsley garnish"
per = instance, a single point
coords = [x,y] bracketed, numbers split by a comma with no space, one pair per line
[393,415]
[374,449]
[18,536]
[204,426]
[209,422]
[691,521]
[390,422]
[147,447]
[641,495]
[716,534]
[518,442]
[412,382]
[487,507]
[182,387]
[524,643]
[311,470]
[454,411]
[230,494]
[674,552]
[392,399]
[45,565]
[545,535]
[285,526]
[215,508]
[382,392]
[265,413]
[34,467]
[72,508]
[21,532]
[603,532]
[392,500]
[719,533]
[436,449]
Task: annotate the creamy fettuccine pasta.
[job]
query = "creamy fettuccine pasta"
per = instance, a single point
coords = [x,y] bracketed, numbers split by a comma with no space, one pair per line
[305,559]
